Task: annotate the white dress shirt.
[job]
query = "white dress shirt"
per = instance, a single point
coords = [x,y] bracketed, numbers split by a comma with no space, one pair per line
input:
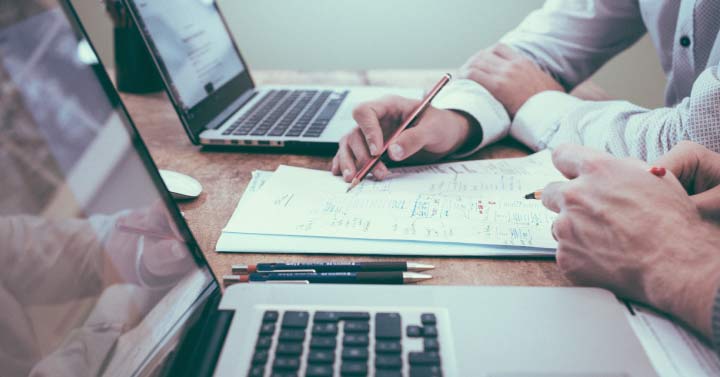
[571,39]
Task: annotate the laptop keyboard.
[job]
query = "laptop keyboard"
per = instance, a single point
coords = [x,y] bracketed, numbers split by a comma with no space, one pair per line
[332,343]
[293,113]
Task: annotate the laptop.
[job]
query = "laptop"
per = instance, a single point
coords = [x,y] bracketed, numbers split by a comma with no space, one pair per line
[101,276]
[212,90]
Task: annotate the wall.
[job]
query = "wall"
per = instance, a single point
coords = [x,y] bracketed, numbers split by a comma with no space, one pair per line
[318,35]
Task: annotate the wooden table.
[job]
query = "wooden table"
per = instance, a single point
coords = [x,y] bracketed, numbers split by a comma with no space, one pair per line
[224,176]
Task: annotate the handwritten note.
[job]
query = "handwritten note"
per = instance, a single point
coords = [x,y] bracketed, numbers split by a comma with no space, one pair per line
[470,202]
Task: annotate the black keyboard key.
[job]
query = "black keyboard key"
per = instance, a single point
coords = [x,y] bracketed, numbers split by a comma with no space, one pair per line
[289,349]
[292,335]
[270,316]
[357,326]
[267,329]
[428,319]
[320,370]
[323,342]
[355,353]
[355,340]
[292,319]
[263,342]
[341,316]
[388,326]
[414,331]
[388,373]
[388,346]
[257,371]
[321,357]
[260,357]
[286,364]
[431,344]
[430,332]
[388,362]
[425,371]
[328,328]
[424,358]
[353,369]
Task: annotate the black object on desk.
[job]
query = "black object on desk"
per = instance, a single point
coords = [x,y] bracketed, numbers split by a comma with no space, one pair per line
[135,71]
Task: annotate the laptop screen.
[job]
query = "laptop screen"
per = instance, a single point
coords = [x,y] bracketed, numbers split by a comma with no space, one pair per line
[203,71]
[98,272]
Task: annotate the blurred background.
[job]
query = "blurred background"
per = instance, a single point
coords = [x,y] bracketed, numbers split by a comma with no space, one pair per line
[323,35]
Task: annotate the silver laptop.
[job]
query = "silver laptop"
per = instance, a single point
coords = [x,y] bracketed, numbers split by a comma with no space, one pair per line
[102,276]
[213,92]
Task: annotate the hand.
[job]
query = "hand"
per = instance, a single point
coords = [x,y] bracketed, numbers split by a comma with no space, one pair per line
[439,133]
[163,258]
[698,169]
[510,77]
[622,228]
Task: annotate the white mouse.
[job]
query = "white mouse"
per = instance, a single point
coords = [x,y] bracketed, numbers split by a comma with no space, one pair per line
[181,186]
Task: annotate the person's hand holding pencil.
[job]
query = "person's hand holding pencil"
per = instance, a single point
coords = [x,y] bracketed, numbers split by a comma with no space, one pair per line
[437,134]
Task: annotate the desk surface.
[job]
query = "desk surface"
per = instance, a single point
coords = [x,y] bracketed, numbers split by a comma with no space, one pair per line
[224,176]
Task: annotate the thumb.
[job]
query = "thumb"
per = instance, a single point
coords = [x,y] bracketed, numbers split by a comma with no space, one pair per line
[408,143]
[708,203]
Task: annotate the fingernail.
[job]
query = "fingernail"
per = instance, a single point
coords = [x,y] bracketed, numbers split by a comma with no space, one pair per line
[396,151]
[373,149]
[346,173]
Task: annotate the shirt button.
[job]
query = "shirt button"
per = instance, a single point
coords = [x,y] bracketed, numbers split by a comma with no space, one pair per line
[685,41]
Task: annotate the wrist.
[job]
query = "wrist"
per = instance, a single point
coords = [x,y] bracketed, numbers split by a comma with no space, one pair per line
[688,287]
[469,133]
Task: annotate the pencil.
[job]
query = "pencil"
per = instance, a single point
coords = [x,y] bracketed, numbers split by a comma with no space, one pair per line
[657,171]
[414,117]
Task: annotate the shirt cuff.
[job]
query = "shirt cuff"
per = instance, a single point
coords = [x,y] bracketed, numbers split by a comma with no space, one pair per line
[538,119]
[473,99]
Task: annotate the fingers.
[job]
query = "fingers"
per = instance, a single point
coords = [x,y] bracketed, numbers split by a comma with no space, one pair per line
[572,160]
[552,197]
[369,117]
[352,156]
[408,143]
[708,203]
[696,167]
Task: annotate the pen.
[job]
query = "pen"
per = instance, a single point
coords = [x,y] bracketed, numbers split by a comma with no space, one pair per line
[657,171]
[414,117]
[331,267]
[376,277]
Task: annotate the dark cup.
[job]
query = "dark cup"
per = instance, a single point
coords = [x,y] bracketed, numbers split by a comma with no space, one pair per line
[134,68]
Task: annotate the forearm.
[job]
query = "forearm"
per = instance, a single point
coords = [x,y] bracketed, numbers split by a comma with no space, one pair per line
[621,128]
[570,40]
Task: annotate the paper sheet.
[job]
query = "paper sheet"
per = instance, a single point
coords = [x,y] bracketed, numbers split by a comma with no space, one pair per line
[477,202]
[673,350]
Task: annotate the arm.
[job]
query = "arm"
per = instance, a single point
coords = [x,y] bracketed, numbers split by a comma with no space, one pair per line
[621,128]
[553,49]
[571,39]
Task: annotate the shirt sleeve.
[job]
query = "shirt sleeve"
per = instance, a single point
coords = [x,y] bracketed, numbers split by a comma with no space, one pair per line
[716,322]
[473,99]
[571,39]
[619,127]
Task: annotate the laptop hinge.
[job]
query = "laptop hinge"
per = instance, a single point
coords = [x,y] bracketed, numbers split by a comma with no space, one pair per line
[200,348]
[220,120]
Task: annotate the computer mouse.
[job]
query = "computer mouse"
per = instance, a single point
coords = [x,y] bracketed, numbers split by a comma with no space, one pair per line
[181,186]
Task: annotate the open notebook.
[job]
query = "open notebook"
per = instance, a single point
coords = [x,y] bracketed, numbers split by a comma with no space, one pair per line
[461,208]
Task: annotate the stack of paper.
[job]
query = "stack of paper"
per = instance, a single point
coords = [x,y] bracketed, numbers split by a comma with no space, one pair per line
[462,208]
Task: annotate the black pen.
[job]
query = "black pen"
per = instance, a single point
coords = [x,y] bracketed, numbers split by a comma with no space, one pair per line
[383,277]
[331,267]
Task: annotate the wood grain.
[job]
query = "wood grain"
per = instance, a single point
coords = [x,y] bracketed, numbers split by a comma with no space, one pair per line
[225,174]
